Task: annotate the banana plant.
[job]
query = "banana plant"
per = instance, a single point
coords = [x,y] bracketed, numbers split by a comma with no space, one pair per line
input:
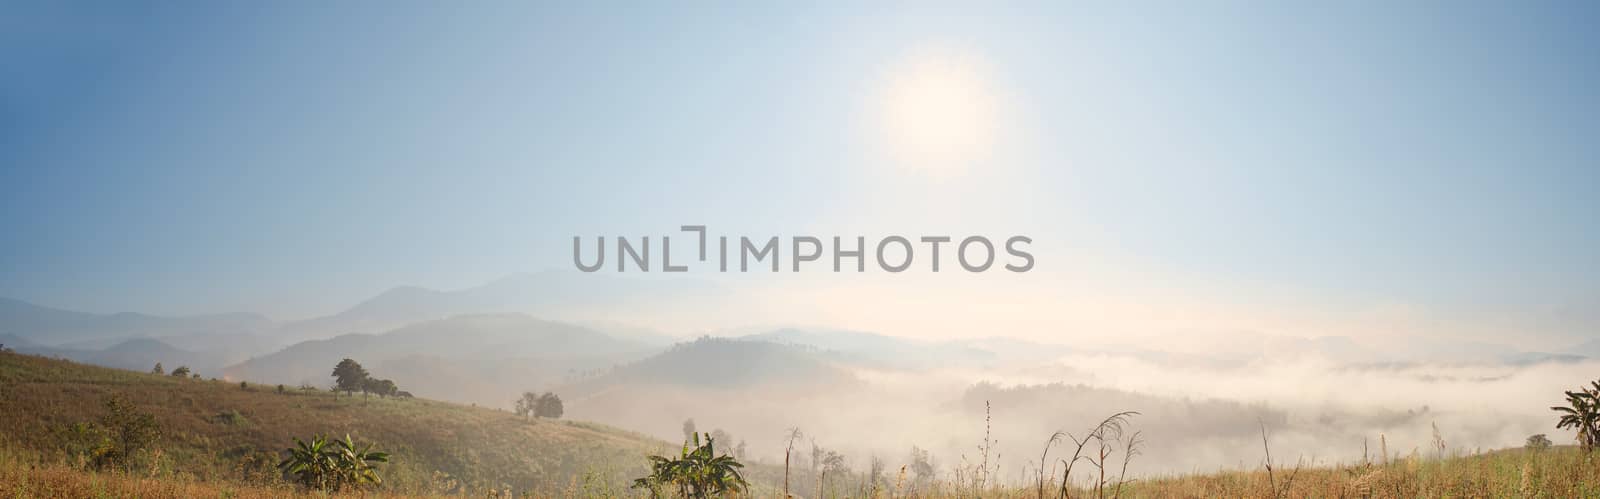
[1582,413]
[355,463]
[697,472]
[322,464]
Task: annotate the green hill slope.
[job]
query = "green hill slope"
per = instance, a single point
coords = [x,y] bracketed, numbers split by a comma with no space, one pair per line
[220,431]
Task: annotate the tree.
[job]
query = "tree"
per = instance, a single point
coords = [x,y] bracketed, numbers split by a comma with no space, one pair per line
[1582,413]
[382,387]
[158,369]
[128,431]
[326,466]
[1538,442]
[721,435]
[921,465]
[697,472]
[548,406]
[527,405]
[181,371]
[875,479]
[349,376]
[832,464]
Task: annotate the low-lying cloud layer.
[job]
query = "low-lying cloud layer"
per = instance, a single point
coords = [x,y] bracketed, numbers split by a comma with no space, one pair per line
[1194,416]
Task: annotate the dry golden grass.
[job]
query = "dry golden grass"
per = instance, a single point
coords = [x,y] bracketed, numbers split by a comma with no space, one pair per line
[448,449]
[1560,472]
[436,447]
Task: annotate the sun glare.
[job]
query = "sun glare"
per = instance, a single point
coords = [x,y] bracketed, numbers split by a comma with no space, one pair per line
[937,113]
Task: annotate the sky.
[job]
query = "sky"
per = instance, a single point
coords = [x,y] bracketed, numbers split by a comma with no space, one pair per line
[1363,168]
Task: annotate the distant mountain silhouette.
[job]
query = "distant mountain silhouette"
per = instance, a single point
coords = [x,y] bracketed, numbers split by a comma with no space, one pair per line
[723,363]
[877,350]
[52,326]
[490,355]
[563,295]
[138,354]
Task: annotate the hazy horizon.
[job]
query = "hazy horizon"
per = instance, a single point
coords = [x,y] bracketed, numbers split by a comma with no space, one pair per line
[1347,222]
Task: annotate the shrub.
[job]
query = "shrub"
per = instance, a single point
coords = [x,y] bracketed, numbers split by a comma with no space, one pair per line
[231,418]
[127,431]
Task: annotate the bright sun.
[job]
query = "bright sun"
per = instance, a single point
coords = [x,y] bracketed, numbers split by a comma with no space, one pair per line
[937,113]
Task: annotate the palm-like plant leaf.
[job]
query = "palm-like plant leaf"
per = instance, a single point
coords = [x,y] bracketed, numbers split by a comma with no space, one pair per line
[697,472]
[1582,413]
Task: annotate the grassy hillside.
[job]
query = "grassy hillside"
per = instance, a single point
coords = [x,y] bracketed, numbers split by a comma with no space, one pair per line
[220,432]
[221,440]
[482,358]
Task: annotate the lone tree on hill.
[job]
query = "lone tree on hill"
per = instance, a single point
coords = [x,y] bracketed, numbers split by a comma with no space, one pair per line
[349,376]
[539,406]
[158,369]
[548,406]
[181,371]
[527,405]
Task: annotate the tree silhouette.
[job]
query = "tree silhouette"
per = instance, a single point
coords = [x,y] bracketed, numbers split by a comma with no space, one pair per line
[181,371]
[1538,442]
[349,376]
[157,369]
[548,406]
[527,405]
[382,387]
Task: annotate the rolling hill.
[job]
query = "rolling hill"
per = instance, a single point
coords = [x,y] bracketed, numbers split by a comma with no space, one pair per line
[219,431]
[53,326]
[566,295]
[486,359]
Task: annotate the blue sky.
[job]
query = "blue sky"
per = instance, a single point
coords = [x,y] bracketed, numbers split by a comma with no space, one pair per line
[292,158]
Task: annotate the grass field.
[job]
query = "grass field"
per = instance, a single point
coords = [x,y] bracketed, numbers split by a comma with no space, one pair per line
[220,432]
[221,440]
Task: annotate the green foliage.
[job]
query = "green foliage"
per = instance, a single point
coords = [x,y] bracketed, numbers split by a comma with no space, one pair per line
[158,370]
[231,418]
[127,431]
[382,387]
[349,376]
[697,472]
[335,466]
[180,372]
[1582,413]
